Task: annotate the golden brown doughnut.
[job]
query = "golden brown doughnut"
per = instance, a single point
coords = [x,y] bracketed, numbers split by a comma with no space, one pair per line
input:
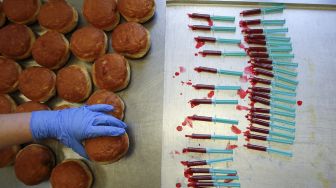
[136,10]
[73,83]
[102,14]
[9,75]
[108,97]
[131,40]
[33,164]
[16,41]
[21,11]
[37,83]
[58,15]
[31,106]
[71,173]
[88,43]
[51,50]
[111,72]
[107,149]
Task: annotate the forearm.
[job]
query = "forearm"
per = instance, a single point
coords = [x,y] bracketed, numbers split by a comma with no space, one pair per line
[15,129]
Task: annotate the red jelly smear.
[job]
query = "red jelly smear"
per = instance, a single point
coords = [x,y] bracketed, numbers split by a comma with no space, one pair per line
[179,128]
[243,79]
[205,69]
[199,44]
[235,129]
[182,69]
[240,107]
[231,147]
[299,103]
[204,86]
[242,93]
[210,95]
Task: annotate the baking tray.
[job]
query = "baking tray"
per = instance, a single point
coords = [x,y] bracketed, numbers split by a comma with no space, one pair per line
[143,99]
[313,35]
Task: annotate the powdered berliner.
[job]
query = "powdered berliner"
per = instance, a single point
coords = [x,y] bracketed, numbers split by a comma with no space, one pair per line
[51,50]
[9,75]
[131,40]
[88,43]
[102,14]
[31,106]
[108,97]
[111,72]
[73,83]
[33,164]
[22,11]
[107,149]
[16,41]
[136,10]
[58,15]
[2,15]
[72,173]
[37,83]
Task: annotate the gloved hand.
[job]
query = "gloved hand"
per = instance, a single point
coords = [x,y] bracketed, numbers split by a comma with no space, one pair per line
[72,126]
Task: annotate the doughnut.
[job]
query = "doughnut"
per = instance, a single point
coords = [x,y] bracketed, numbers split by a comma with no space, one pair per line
[107,149]
[51,50]
[58,15]
[73,83]
[102,14]
[37,83]
[88,43]
[136,10]
[111,72]
[131,40]
[16,41]
[63,106]
[31,106]
[71,173]
[33,164]
[108,97]
[21,11]
[9,75]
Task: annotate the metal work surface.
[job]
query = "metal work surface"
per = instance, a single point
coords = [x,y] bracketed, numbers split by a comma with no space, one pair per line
[143,99]
[313,34]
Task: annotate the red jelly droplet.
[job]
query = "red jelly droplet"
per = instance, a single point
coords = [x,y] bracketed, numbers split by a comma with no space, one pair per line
[249,70]
[179,128]
[189,83]
[211,94]
[178,185]
[243,79]
[196,54]
[242,93]
[231,147]
[240,45]
[199,44]
[210,22]
[235,129]
[240,107]
[182,69]
[177,73]
[299,103]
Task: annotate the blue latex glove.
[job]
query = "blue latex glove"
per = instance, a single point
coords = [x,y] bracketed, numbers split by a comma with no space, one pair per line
[72,126]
